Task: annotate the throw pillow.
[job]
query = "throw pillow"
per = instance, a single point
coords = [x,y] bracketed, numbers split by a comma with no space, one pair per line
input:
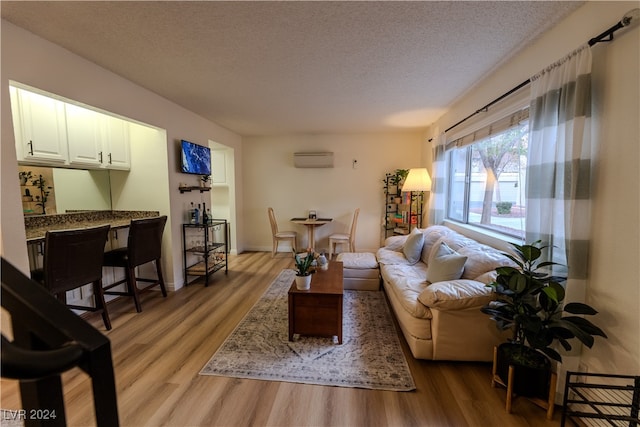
[444,263]
[412,248]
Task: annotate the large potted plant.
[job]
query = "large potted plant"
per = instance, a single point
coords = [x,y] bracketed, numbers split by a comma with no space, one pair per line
[530,302]
[303,269]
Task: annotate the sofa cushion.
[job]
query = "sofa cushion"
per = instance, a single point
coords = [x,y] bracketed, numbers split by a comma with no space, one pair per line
[391,257]
[488,277]
[412,248]
[457,241]
[395,243]
[431,236]
[358,260]
[407,282]
[456,295]
[482,259]
[444,263]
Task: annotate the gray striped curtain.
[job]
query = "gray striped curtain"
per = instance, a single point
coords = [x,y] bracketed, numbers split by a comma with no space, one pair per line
[559,161]
[559,168]
[437,201]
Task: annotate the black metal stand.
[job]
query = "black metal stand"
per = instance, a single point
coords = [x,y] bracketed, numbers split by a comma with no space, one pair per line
[219,249]
[613,398]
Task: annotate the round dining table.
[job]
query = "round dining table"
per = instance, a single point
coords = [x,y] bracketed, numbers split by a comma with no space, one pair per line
[311,224]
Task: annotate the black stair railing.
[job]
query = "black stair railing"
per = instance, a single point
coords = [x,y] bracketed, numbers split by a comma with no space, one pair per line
[49,339]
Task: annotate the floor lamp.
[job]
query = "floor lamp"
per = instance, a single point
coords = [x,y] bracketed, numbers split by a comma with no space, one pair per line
[417,181]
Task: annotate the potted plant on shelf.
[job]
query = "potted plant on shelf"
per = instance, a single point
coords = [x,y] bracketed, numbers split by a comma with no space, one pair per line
[393,180]
[24,177]
[205,180]
[303,269]
[530,303]
[398,176]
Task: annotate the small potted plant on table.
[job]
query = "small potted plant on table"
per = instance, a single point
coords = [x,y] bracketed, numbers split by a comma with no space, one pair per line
[303,269]
[530,303]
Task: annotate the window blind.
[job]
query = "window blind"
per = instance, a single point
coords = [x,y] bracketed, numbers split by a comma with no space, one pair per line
[500,125]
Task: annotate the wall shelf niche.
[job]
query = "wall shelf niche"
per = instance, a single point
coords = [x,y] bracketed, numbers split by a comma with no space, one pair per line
[192,188]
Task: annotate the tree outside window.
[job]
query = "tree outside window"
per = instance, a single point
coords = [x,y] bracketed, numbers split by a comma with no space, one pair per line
[487,178]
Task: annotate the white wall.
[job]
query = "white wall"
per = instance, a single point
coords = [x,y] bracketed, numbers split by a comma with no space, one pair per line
[146,187]
[614,283]
[614,287]
[79,189]
[33,61]
[222,201]
[270,179]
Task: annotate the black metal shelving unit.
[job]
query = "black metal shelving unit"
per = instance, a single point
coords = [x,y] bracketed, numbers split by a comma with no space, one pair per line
[210,251]
[402,210]
[392,196]
[592,399]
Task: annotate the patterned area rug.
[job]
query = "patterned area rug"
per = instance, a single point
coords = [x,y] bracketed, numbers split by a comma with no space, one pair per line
[370,355]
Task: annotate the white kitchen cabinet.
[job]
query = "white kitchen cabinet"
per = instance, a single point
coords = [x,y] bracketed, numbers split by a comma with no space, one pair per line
[84,136]
[97,140]
[41,135]
[116,150]
[56,133]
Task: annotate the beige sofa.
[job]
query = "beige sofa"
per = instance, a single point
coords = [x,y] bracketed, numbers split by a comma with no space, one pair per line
[436,286]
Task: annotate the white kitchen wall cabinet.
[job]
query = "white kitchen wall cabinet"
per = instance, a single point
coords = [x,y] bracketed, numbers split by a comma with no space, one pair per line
[41,135]
[54,133]
[116,150]
[97,140]
[83,136]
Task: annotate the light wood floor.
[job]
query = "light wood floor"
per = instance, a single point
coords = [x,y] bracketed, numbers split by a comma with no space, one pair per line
[159,352]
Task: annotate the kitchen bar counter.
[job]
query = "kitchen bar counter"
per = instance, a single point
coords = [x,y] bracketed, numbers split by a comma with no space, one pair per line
[36,226]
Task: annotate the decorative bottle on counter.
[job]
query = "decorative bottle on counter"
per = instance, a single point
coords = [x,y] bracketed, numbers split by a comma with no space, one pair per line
[192,214]
[205,217]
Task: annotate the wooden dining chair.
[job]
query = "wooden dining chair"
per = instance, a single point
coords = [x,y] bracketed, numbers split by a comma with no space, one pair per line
[73,258]
[344,238]
[280,235]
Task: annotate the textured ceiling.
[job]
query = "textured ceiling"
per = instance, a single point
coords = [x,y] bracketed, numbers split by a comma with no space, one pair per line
[261,68]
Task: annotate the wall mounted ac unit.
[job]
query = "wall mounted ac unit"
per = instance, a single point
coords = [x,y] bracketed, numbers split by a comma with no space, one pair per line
[313,160]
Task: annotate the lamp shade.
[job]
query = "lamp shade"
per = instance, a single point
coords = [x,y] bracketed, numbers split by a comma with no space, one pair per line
[417,180]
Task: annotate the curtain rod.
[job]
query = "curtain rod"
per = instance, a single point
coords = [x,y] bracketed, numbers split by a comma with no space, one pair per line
[605,36]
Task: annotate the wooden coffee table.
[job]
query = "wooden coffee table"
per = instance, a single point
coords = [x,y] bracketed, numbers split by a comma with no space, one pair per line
[318,311]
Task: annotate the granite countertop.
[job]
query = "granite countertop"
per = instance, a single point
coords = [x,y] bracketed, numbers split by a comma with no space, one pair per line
[37,226]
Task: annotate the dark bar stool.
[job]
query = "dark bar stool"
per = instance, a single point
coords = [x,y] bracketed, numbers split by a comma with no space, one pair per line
[144,245]
[73,258]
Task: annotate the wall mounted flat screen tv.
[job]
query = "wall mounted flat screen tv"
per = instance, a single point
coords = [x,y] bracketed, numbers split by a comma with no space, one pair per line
[195,158]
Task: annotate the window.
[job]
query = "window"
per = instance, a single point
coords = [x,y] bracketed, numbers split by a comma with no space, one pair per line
[487,175]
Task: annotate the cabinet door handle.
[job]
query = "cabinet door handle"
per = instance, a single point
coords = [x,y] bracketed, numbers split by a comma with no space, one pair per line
[109,158]
[30,147]
[100,154]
